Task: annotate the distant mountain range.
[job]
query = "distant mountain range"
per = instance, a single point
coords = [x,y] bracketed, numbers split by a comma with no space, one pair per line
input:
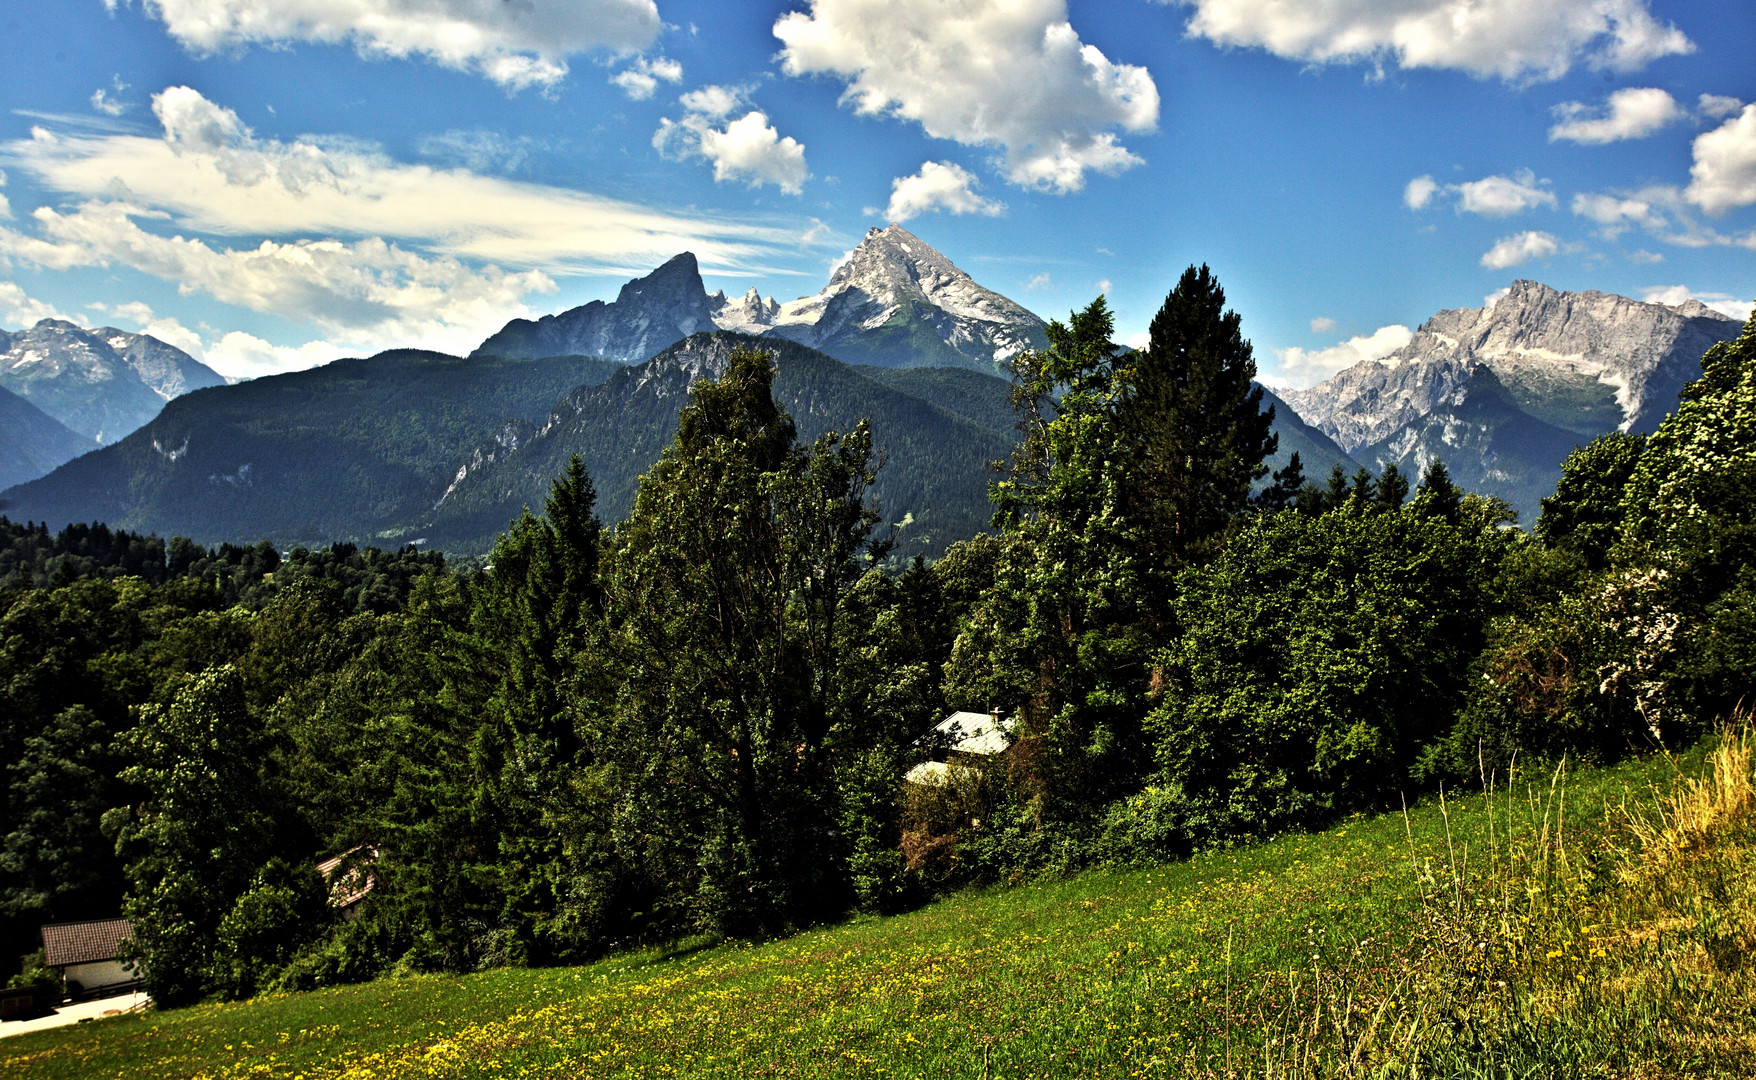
[74,389]
[32,442]
[413,445]
[102,383]
[1503,392]
[894,302]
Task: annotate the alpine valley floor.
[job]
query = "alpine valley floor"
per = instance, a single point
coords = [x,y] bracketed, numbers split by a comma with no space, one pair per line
[1570,924]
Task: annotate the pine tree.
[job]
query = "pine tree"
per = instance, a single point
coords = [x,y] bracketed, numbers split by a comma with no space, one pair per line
[1438,496]
[1392,487]
[1194,423]
[1289,483]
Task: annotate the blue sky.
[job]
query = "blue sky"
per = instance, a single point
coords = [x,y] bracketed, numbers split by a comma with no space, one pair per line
[274,183]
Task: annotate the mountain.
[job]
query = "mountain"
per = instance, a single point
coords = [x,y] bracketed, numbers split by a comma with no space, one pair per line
[1318,453]
[32,442]
[894,302]
[649,314]
[934,483]
[1560,368]
[101,383]
[358,450]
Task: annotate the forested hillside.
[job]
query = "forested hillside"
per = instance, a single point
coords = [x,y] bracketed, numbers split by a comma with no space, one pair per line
[699,720]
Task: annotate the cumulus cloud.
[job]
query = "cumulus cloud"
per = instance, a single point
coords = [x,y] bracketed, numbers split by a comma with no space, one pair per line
[1322,324]
[1516,40]
[1724,173]
[18,309]
[1615,214]
[1419,192]
[1009,74]
[514,44]
[1676,295]
[1307,367]
[1491,196]
[748,148]
[939,185]
[368,293]
[209,173]
[1517,250]
[1038,281]
[1503,196]
[1633,113]
[642,77]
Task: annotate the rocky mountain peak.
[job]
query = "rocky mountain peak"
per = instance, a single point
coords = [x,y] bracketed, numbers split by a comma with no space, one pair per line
[102,382]
[648,314]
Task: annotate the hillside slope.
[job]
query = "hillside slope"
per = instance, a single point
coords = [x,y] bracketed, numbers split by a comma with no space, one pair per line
[102,383]
[358,449]
[32,442]
[933,484]
[1307,955]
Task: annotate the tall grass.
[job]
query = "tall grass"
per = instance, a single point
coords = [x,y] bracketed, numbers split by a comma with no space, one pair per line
[1628,955]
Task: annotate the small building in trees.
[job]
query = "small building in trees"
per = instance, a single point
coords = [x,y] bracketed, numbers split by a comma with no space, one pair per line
[351,878]
[958,742]
[89,956]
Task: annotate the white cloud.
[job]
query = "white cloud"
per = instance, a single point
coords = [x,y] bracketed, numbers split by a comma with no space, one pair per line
[238,354]
[1322,324]
[1674,295]
[1104,286]
[209,173]
[1724,173]
[1496,296]
[1419,192]
[1010,74]
[1038,281]
[369,294]
[1645,256]
[1516,40]
[515,44]
[641,78]
[748,148]
[1138,340]
[939,185]
[102,102]
[17,309]
[1661,210]
[1491,196]
[1632,113]
[1307,367]
[1717,106]
[1517,250]
[1615,214]
[1503,196]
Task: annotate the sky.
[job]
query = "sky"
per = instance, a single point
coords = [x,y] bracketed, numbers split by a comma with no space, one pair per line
[272,184]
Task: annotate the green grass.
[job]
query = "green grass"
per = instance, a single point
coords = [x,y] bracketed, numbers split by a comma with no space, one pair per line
[1427,946]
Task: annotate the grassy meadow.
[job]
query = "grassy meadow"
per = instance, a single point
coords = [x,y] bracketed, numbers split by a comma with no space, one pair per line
[1592,923]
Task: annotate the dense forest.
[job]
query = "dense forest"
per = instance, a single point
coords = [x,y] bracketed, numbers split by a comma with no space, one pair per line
[699,720]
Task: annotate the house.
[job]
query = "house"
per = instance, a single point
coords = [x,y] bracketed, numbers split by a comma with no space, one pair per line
[957,742]
[89,956]
[350,878]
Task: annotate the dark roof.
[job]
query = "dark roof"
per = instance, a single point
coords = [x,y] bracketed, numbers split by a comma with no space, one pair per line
[84,942]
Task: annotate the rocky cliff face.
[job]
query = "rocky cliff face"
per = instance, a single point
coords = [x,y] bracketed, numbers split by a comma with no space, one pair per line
[1587,362]
[1501,393]
[648,315]
[101,383]
[897,302]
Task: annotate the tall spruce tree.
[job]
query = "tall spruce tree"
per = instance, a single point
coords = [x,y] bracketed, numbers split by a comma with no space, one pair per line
[1194,422]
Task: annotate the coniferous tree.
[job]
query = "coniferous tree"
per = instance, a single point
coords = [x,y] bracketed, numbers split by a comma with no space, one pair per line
[1289,484]
[1194,422]
[1392,487]
[1438,496]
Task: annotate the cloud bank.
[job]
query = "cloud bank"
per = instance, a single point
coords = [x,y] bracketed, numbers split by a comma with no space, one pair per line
[1009,74]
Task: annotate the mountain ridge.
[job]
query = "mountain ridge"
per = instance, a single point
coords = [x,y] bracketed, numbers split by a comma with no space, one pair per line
[102,383]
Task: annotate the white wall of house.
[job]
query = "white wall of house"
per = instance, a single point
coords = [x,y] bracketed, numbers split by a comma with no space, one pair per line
[98,974]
